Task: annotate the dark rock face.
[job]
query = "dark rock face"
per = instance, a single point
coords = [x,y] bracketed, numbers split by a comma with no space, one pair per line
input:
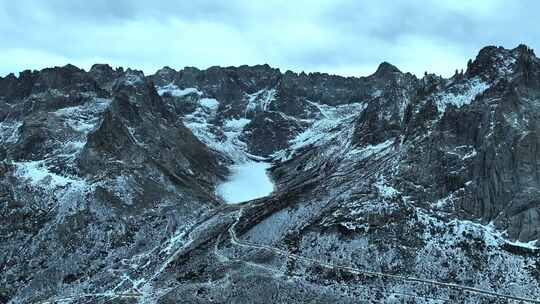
[483,150]
[91,174]
[108,184]
[270,132]
[129,133]
[104,74]
[16,88]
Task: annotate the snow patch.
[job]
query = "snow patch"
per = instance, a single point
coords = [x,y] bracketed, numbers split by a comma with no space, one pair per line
[84,118]
[377,93]
[260,100]
[465,94]
[248,181]
[174,90]
[371,149]
[471,154]
[332,118]
[236,124]
[122,188]
[209,103]
[506,65]
[38,174]
[9,131]
[133,78]
[488,233]
[529,245]
[385,190]
[228,142]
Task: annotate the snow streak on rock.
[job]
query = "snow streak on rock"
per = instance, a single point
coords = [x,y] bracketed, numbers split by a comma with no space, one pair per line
[460,94]
[260,100]
[334,124]
[174,90]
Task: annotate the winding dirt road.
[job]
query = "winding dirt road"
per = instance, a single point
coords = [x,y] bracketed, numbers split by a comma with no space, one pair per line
[237,242]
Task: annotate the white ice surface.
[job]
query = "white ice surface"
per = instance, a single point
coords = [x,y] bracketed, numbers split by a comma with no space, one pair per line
[209,103]
[247,181]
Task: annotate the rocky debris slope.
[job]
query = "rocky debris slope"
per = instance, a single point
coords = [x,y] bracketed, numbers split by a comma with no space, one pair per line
[386,188]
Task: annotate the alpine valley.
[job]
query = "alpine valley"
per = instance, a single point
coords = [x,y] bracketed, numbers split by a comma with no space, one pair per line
[249,185]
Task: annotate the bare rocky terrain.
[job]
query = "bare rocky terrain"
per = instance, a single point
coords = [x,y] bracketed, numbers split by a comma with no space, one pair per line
[387,188]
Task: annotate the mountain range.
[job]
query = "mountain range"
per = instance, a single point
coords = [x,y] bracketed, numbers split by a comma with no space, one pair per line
[384,189]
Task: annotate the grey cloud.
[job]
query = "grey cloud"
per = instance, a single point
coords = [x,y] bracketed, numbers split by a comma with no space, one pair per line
[343,36]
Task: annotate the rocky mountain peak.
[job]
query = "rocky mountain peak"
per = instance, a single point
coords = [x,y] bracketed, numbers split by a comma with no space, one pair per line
[64,78]
[385,70]
[166,70]
[165,76]
[497,63]
[492,63]
[524,50]
[105,75]
[130,77]
[528,65]
[101,70]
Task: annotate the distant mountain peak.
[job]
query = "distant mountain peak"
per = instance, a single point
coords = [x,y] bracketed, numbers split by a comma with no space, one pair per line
[494,63]
[386,69]
[165,70]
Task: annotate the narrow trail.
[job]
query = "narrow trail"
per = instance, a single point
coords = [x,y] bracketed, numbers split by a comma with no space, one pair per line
[92,295]
[237,242]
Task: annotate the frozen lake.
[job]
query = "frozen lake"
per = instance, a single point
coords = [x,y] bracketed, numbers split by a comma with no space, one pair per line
[247,181]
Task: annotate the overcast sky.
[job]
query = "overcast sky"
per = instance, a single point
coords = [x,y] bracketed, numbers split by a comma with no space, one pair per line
[347,37]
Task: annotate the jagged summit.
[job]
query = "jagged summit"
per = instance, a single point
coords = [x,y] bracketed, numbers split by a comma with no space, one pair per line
[386,69]
[166,70]
[104,68]
[493,52]
[495,63]
[487,58]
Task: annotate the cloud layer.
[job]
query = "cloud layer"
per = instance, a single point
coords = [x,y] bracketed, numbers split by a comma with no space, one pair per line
[345,37]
